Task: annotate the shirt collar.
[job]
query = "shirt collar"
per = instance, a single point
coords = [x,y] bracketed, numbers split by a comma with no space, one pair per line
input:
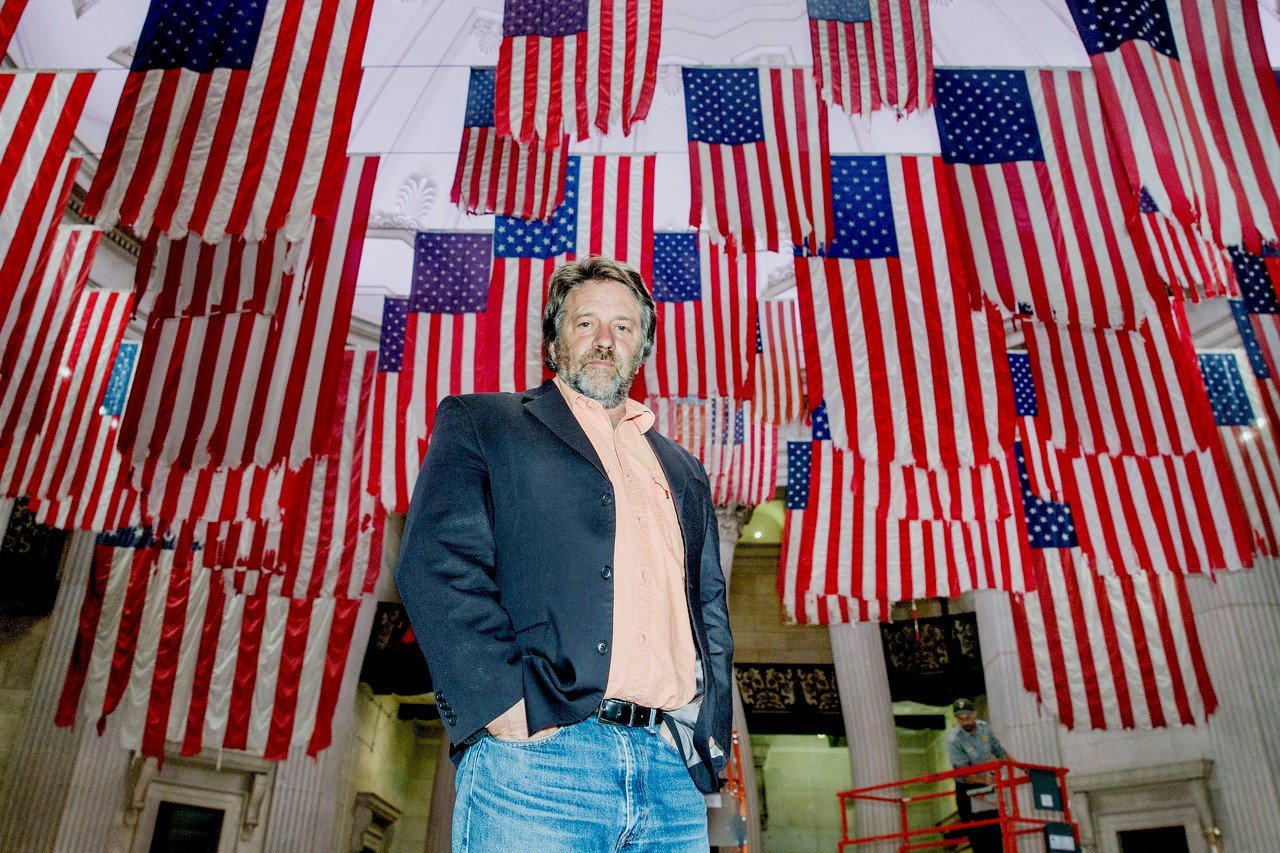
[633,410]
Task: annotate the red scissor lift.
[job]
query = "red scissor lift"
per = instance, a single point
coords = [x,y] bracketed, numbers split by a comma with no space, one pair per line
[1010,776]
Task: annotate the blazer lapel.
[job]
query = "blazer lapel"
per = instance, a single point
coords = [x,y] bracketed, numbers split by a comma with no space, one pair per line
[547,404]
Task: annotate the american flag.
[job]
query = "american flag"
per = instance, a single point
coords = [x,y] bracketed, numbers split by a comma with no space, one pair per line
[1191,102]
[758,156]
[427,351]
[779,394]
[1249,443]
[47,445]
[872,54]
[909,373]
[1191,265]
[607,210]
[38,117]
[571,67]
[36,326]
[706,300]
[246,388]
[1118,392]
[10,14]
[497,174]
[738,451]
[234,118]
[196,662]
[191,278]
[1117,651]
[1041,198]
[1257,275]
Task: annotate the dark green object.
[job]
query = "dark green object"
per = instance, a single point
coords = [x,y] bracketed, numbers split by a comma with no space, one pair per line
[1045,793]
[1060,838]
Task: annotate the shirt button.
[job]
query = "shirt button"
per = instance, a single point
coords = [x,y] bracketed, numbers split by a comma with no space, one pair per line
[606,572]
[602,648]
[606,499]
[644,577]
[643,639]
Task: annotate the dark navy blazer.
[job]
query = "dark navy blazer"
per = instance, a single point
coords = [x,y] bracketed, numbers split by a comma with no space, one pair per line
[505,569]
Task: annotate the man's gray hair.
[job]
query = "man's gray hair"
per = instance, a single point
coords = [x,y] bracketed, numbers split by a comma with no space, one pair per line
[569,277]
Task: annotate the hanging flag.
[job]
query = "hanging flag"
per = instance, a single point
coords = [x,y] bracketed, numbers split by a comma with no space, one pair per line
[758,156]
[1249,443]
[233,121]
[574,67]
[872,54]
[706,301]
[779,393]
[1188,263]
[910,374]
[607,210]
[1111,651]
[1105,391]
[1190,101]
[1044,207]
[497,174]
[198,407]
[35,331]
[427,351]
[38,117]
[191,278]
[749,476]
[10,14]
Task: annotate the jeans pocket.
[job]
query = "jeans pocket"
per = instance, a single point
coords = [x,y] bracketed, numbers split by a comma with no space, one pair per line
[536,740]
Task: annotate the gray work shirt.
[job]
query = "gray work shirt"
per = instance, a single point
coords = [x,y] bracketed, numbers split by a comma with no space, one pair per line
[965,749]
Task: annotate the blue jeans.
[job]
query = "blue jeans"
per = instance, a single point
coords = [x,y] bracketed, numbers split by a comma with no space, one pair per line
[588,787]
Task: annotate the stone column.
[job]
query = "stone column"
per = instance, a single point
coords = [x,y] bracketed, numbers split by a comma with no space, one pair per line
[731,520]
[39,775]
[1028,731]
[1238,620]
[440,821]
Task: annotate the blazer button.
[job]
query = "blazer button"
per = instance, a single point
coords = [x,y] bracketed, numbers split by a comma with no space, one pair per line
[606,572]
[602,648]
[606,499]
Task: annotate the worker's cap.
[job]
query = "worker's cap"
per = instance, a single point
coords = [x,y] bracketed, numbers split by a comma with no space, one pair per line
[962,706]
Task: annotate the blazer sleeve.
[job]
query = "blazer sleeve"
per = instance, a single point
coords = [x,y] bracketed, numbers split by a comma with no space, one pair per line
[446,577]
[715,616]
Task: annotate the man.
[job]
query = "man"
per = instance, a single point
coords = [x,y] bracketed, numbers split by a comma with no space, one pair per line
[971,742]
[560,564]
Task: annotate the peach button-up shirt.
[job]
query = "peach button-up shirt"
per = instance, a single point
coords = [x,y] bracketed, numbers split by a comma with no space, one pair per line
[653,651]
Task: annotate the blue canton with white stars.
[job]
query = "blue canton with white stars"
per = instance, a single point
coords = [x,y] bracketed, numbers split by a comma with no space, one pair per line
[1146,204]
[759,337]
[677,268]
[395,314]
[118,383]
[845,11]
[199,35]
[863,203]
[1024,385]
[1104,25]
[480,97]
[544,17]
[799,459]
[1227,393]
[451,272]
[821,423]
[1255,282]
[722,105]
[137,537]
[739,426]
[986,116]
[1249,339]
[522,238]
[1049,524]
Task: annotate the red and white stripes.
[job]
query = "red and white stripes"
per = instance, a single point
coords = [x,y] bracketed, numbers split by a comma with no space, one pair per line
[497,174]
[885,62]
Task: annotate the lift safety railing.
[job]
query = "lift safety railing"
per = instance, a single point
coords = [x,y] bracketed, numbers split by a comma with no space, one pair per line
[1009,777]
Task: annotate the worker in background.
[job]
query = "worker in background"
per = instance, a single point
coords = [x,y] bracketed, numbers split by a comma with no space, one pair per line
[971,742]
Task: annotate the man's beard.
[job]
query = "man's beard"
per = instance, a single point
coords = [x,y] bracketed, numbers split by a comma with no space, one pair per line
[607,387]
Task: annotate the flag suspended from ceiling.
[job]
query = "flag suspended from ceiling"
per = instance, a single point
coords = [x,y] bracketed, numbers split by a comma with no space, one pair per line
[1191,103]
[1188,263]
[909,373]
[779,393]
[1041,197]
[498,174]
[607,210]
[575,67]
[706,315]
[233,121]
[758,156]
[738,451]
[872,54]
[428,350]
[10,14]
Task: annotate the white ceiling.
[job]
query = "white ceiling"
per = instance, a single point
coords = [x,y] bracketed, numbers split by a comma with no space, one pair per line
[414,90]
